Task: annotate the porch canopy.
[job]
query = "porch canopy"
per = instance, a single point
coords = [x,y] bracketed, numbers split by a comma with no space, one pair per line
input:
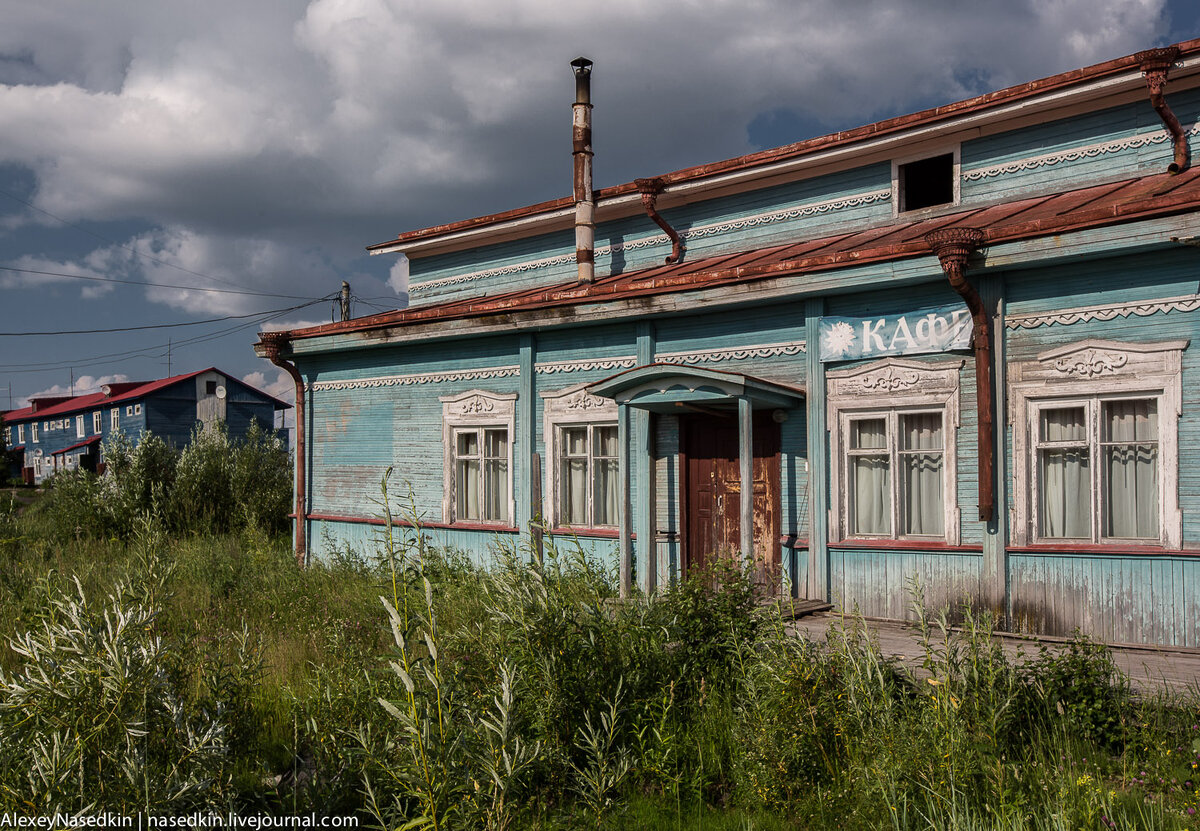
[679,388]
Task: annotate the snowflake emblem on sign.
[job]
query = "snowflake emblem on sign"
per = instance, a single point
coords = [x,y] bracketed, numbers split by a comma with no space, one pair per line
[839,338]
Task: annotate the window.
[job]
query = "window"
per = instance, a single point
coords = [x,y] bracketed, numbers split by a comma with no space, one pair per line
[97,422]
[477,430]
[925,182]
[80,429]
[20,434]
[582,487]
[114,418]
[210,387]
[587,475]
[33,432]
[892,430]
[129,410]
[1095,444]
[137,409]
[481,474]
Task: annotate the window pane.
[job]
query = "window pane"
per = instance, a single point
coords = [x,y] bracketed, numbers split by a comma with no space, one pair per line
[1065,492]
[574,441]
[495,488]
[1131,469]
[496,444]
[466,489]
[870,505]
[605,440]
[574,492]
[1066,424]
[468,444]
[605,497]
[923,491]
[868,434]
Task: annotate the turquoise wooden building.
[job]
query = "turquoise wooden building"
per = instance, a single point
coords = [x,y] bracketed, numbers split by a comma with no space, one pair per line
[955,347]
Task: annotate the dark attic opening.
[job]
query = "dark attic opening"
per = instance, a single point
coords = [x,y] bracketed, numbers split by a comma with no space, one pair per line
[927,182]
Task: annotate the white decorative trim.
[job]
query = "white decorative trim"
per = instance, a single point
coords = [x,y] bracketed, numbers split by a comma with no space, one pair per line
[465,410]
[698,232]
[1090,151]
[585,364]
[737,353]
[418,378]
[1090,363]
[571,406]
[1065,317]
[885,388]
[1083,373]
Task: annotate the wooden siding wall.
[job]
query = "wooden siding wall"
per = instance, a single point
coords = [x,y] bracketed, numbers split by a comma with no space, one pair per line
[1117,142]
[1131,597]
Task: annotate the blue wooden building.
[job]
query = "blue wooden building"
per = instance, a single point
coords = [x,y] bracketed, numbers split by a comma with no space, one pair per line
[952,348]
[66,432]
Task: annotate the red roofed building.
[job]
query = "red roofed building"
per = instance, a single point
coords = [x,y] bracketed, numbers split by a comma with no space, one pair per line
[66,432]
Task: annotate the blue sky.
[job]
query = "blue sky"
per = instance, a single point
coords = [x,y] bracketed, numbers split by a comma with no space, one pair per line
[241,155]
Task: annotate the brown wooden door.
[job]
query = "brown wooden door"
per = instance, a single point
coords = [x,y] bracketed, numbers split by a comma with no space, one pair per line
[712,490]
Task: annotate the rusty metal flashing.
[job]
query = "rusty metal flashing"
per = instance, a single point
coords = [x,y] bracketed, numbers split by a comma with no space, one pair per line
[650,189]
[1156,64]
[273,344]
[1153,196]
[953,247]
[1018,94]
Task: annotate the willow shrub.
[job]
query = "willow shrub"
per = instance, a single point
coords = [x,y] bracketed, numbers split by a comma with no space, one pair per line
[215,485]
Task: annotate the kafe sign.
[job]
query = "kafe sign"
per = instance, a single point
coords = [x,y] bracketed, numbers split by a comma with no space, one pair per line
[913,333]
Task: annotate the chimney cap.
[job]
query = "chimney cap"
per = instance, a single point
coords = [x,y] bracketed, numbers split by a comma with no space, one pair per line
[582,65]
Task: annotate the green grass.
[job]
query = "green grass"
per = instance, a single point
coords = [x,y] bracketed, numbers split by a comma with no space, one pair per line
[525,697]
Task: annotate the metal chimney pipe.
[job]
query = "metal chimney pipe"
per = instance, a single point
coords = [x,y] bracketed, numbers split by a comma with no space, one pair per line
[581,151]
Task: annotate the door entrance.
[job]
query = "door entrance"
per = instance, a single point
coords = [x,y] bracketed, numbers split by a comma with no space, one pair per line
[712,487]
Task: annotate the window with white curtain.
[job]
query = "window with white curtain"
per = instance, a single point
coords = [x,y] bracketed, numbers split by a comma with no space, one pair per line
[892,440]
[1095,454]
[1097,469]
[582,487]
[477,433]
[587,477]
[481,474]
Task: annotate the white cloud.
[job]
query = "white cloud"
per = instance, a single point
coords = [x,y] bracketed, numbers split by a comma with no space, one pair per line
[84,385]
[279,385]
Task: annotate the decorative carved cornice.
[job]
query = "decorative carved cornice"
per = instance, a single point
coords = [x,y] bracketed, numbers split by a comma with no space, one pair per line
[736,353]
[586,364]
[418,378]
[1082,314]
[473,406]
[1091,363]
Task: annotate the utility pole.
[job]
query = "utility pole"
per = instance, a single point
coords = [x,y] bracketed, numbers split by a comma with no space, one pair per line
[168,357]
[345,300]
[72,382]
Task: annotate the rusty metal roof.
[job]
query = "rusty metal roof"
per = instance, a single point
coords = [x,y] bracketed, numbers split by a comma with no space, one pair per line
[1112,203]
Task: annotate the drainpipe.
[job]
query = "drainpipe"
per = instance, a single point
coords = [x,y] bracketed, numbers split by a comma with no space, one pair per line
[274,343]
[1156,63]
[953,246]
[650,189]
[581,152]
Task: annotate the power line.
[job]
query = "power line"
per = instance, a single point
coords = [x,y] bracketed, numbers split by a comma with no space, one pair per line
[146,283]
[162,325]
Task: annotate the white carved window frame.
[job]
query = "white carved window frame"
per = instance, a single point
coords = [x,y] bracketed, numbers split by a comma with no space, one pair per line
[572,406]
[882,388]
[1097,369]
[476,409]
